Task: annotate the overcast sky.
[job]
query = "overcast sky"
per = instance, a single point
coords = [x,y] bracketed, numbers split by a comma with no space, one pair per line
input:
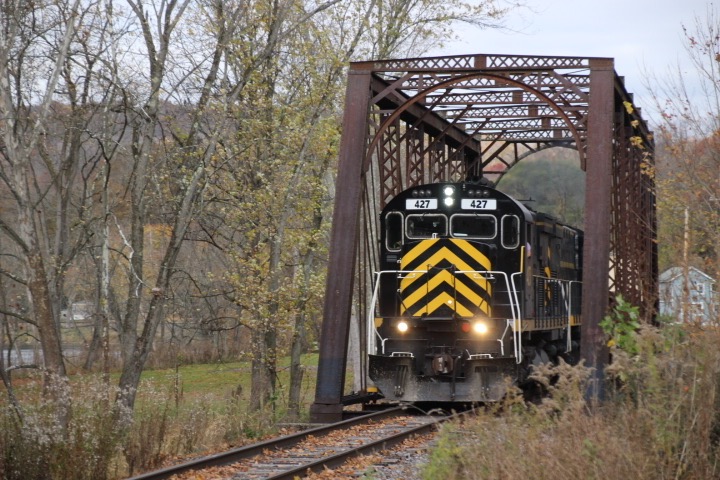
[641,35]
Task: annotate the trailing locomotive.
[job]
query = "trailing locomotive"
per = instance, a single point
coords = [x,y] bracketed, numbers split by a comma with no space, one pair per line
[474,288]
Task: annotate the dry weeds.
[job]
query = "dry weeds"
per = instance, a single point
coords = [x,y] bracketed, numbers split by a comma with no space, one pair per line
[660,420]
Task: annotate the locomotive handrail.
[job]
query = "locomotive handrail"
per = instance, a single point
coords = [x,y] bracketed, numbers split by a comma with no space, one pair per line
[567,299]
[570,310]
[371,318]
[514,309]
[517,329]
[511,292]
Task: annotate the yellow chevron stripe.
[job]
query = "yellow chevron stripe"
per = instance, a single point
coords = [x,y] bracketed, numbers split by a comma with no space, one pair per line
[440,300]
[446,299]
[444,276]
[417,250]
[464,245]
[445,254]
[473,252]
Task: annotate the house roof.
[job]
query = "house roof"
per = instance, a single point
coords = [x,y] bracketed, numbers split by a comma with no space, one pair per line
[674,272]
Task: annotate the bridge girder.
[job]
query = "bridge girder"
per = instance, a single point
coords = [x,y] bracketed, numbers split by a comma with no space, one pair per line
[421,120]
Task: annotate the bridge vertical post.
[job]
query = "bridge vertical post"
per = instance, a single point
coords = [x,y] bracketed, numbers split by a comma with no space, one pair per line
[598,218]
[343,240]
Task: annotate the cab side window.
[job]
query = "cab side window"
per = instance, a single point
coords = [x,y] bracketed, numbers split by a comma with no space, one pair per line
[393,231]
[510,231]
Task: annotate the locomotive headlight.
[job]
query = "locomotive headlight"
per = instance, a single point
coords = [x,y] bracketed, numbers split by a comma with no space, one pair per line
[481,328]
[402,326]
[449,191]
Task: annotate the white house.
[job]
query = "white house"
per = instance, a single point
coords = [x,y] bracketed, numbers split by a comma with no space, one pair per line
[700,298]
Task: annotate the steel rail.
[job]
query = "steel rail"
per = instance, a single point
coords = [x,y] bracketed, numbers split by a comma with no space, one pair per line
[235,455]
[339,459]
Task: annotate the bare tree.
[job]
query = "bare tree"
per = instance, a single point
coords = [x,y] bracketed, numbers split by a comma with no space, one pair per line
[35,62]
[689,158]
[208,125]
[194,148]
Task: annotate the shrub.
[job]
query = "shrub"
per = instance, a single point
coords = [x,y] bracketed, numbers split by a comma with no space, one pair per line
[661,418]
[95,441]
[77,441]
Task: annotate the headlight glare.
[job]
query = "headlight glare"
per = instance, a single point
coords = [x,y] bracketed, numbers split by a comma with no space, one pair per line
[480,328]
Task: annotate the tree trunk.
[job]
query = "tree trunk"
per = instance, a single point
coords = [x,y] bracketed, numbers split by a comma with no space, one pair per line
[297,370]
[95,343]
[3,373]
[54,365]
[100,330]
[263,374]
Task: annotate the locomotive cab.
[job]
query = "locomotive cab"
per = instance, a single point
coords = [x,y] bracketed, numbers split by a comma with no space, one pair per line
[456,289]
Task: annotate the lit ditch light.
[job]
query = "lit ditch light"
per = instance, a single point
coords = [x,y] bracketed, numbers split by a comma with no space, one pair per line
[480,327]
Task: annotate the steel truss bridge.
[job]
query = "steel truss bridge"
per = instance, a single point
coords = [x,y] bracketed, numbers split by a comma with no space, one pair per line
[422,120]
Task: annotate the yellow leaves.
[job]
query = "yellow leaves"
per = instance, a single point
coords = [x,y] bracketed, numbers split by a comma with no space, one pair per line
[635,123]
[629,107]
[637,141]
[647,169]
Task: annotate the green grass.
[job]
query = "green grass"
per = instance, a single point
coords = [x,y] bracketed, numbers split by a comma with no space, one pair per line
[218,379]
[222,379]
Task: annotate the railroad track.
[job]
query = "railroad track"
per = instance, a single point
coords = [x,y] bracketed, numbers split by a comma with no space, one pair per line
[314,450]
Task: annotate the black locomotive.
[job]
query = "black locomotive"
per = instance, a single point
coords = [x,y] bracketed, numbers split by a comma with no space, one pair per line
[474,288]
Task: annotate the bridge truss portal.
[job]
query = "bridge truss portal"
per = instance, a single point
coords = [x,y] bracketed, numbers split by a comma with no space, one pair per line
[414,121]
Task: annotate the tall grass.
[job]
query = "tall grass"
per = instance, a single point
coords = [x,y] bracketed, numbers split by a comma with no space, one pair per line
[660,419]
[78,440]
[95,441]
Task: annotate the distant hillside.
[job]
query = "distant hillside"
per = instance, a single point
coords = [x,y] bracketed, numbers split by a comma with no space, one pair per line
[553,180]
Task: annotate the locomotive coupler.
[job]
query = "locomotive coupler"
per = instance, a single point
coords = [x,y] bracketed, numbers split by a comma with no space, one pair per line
[442,364]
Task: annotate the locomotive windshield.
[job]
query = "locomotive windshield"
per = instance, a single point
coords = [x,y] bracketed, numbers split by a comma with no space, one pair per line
[426,226]
[473,226]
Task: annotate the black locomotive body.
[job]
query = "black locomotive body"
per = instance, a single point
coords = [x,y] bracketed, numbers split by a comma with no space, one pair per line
[474,288]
